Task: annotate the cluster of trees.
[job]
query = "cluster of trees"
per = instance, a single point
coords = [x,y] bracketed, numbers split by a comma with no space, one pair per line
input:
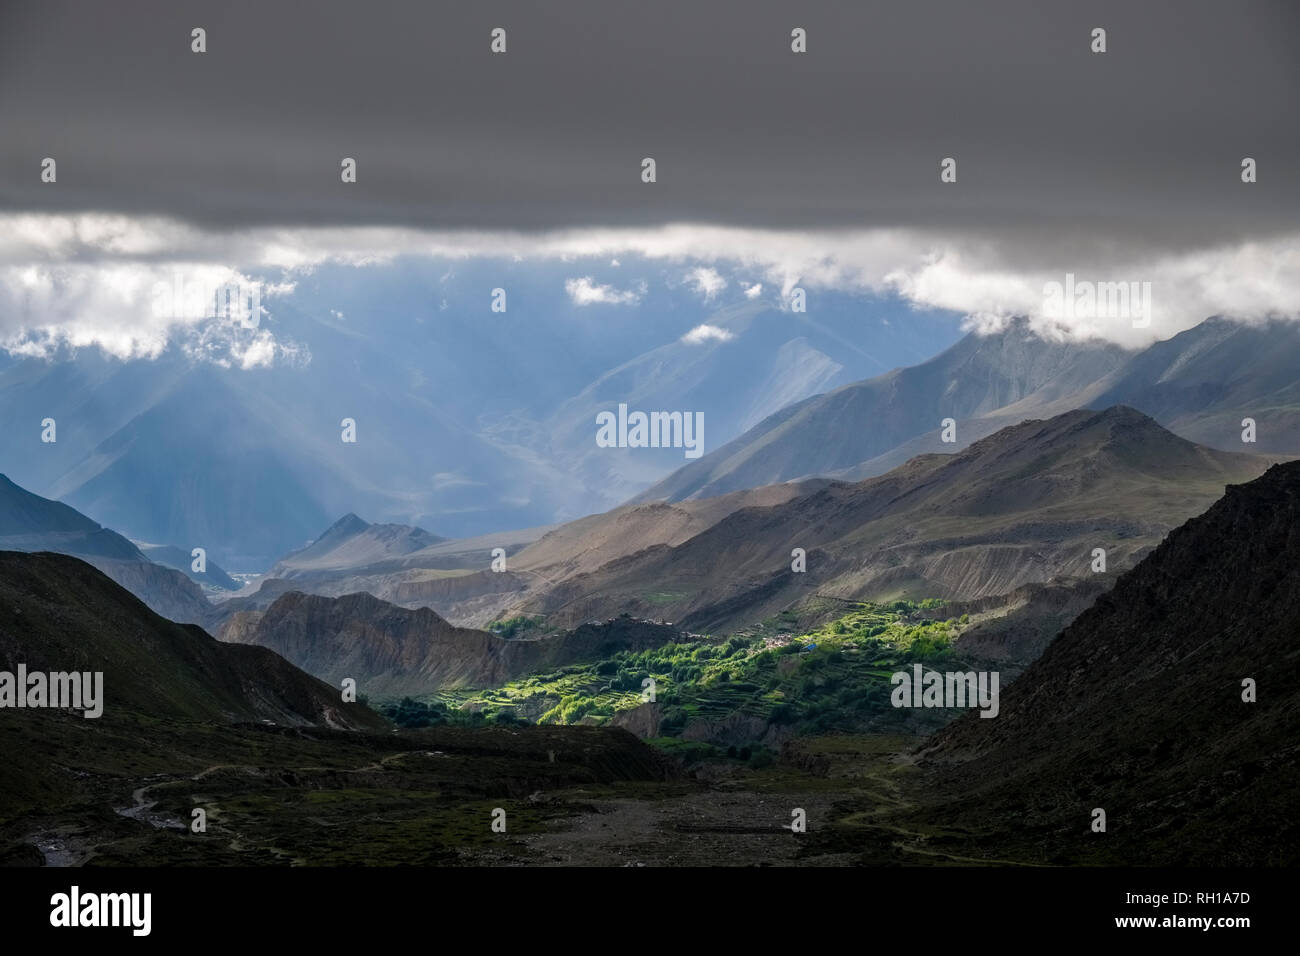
[622,675]
[514,626]
[930,647]
[409,712]
[834,683]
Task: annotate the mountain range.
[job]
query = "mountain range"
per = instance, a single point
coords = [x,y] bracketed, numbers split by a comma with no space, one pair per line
[1026,505]
[249,463]
[1200,384]
[467,421]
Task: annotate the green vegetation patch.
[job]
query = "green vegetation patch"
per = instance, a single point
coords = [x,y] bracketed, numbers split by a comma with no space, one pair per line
[831,677]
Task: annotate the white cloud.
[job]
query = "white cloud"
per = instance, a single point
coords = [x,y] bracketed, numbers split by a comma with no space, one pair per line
[707,333]
[754,291]
[707,282]
[584,291]
[84,279]
[133,310]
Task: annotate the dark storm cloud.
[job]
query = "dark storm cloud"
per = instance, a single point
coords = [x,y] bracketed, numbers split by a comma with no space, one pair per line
[1143,142]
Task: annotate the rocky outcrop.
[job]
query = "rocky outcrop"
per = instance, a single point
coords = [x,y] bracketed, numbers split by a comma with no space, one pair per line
[643,721]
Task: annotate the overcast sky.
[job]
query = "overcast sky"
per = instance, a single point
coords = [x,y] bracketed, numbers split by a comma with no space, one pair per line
[1066,159]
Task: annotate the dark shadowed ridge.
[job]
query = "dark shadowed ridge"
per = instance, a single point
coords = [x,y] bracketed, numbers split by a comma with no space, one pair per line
[58,613]
[1137,708]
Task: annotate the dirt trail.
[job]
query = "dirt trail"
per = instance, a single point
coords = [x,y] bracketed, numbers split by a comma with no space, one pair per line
[141,806]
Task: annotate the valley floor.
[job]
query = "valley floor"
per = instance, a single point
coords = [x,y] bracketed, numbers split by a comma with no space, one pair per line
[572,796]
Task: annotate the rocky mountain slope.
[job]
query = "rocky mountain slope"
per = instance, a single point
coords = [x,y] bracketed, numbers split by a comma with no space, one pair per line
[1027,504]
[1201,383]
[1137,707]
[455,577]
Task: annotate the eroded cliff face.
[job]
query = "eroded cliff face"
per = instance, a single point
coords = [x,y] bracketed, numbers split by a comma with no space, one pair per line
[395,651]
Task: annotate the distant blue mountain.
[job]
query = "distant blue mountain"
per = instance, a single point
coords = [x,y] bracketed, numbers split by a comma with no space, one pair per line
[29,522]
[181,560]
[468,421]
